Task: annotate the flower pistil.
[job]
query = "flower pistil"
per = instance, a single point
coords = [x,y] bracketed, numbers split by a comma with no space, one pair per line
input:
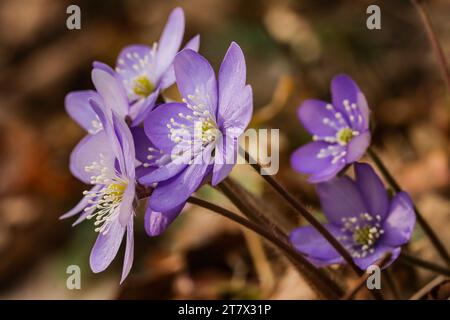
[143,86]
[361,234]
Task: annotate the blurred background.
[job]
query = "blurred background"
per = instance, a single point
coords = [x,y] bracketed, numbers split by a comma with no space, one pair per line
[292,49]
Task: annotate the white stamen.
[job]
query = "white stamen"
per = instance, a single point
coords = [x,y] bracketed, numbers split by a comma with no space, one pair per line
[105,202]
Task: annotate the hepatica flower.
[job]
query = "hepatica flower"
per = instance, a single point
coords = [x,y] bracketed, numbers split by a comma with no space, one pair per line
[107,162]
[105,158]
[362,217]
[145,70]
[110,94]
[200,134]
[340,131]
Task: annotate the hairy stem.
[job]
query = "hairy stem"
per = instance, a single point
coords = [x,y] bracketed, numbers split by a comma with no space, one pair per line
[425,290]
[322,284]
[248,205]
[439,246]
[414,261]
[294,203]
[319,281]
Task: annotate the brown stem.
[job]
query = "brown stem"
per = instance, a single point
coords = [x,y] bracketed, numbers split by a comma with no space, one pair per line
[362,281]
[432,37]
[321,283]
[414,261]
[425,290]
[439,246]
[294,203]
[247,204]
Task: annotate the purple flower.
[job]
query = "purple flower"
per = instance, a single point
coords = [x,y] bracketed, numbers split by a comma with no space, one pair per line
[106,158]
[111,95]
[199,135]
[362,217]
[107,163]
[149,159]
[144,70]
[340,131]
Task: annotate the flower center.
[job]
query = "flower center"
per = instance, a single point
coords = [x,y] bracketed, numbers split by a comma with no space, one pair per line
[197,130]
[344,136]
[116,190]
[206,130]
[362,234]
[104,202]
[365,235]
[143,86]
